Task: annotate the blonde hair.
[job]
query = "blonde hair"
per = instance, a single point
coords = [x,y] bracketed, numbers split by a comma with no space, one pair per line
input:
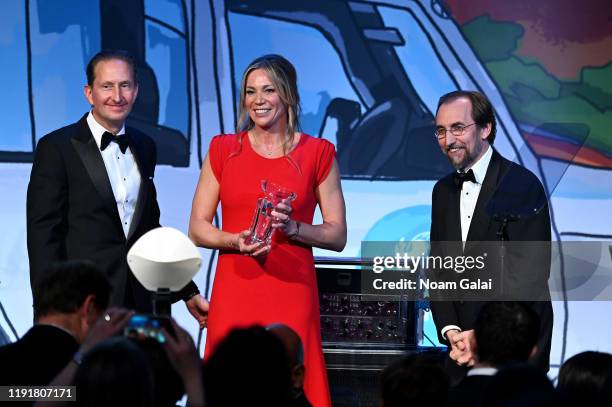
[284,78]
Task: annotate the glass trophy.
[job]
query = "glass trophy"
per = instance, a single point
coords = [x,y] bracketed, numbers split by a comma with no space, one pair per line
[261,225]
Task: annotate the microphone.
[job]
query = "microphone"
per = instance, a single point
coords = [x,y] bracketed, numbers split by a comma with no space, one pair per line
[504,219]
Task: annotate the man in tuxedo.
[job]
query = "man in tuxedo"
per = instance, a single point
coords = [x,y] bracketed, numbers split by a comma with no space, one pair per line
[91,193]
[68,299]
[486,199]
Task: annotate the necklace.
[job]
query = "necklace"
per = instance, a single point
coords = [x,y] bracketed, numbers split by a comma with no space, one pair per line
[268,150]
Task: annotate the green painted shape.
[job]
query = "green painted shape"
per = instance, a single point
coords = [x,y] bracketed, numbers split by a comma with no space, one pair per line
[492,40]
[513,71]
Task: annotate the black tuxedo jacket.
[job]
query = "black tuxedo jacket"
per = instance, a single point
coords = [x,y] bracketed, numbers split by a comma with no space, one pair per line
[37,357]
[469,392]
[508,191]
[72,212]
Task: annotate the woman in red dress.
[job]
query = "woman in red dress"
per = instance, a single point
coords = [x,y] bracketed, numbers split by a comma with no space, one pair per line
[270,283]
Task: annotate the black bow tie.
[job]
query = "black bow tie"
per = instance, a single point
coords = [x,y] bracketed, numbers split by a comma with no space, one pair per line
[461,177]
[123,141]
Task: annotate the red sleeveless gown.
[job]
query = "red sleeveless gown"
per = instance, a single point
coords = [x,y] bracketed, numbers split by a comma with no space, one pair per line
[284,288]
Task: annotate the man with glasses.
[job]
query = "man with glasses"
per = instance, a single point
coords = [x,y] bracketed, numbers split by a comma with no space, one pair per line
[466,208]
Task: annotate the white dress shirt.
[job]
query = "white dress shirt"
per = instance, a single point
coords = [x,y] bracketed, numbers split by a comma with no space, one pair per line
[467,203]
[482,371]
[122,171]
[471,190]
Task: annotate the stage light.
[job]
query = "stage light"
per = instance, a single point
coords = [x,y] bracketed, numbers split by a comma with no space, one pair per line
[164,260]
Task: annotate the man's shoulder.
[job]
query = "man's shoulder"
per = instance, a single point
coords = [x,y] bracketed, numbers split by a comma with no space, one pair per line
[517,190]
[139,136]
[8,350]
[61,135]
[444,183]
[134,132]
[512,172]
[48,334]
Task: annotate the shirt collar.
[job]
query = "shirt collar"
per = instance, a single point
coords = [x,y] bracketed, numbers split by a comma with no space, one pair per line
[482,371]
[480,166]
[97,130]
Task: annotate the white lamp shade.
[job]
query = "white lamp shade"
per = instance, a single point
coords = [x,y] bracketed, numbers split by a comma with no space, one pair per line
[164,258]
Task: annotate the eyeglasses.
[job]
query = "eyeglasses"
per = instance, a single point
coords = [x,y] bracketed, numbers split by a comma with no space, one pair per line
[456,130]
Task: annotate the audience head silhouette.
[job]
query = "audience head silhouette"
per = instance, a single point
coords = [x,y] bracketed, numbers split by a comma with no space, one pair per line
[585,378]
[415,380]
[249,367]
[295,352]
[73,295]
[506,332]
[115,372]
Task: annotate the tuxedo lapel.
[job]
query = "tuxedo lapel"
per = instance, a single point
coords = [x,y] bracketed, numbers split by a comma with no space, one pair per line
[454,226]
[88,151]
[481,219]
[139,153]
[450,218]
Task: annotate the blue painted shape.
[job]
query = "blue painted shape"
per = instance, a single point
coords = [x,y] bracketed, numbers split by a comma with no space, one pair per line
[168,11]
[166,54]
[407,224]
[63,40]
[321,76]
[16,129]
[423,66]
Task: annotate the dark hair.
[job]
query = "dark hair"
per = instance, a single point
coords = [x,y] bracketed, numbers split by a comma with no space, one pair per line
[482,110]
[413,381]
[506,332]
[108,55]
[249,367]
[283,76]
[115,372]
[584,376]
[65,286]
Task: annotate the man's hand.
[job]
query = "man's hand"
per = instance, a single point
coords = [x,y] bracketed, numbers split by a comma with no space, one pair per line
[181,351]
[184,357]
[108,325]
[462,347]
[198,307]
[457,346]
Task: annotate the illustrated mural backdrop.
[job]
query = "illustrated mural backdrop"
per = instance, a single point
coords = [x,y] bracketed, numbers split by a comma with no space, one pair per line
[370,74]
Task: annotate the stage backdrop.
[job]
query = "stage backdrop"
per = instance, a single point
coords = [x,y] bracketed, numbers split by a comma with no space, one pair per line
[370,74]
